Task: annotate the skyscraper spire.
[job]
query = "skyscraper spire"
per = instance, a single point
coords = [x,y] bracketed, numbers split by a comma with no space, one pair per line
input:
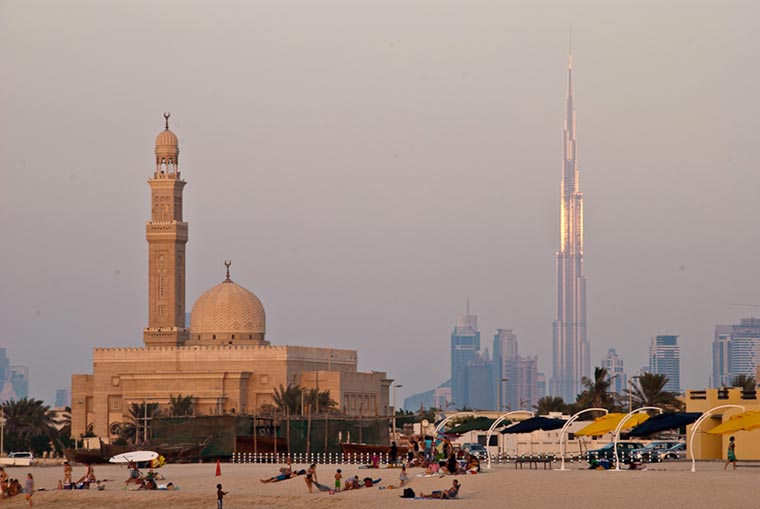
[571,348]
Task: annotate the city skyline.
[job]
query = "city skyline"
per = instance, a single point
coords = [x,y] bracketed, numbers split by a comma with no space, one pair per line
[381,182]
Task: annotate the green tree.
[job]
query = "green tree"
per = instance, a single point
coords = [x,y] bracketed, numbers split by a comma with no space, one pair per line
[288,398]
[138,426]
[320,400]
[29,425]
[550,404]
[649,390]
[596,391]
[747,383]
[181,406]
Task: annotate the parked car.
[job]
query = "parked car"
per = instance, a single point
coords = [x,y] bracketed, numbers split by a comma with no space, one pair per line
[625,447]
[17,459]
[676,452]
[476,450]
[653,451]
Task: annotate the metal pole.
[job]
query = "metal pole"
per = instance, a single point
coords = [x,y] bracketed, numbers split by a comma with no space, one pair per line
[145,421]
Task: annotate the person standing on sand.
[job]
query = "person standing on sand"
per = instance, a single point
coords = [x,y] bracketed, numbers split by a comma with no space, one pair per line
[731,453]
[311,477]
[219,496]
[29,488]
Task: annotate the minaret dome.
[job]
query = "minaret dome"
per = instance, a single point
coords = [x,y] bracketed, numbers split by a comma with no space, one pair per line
[167,152]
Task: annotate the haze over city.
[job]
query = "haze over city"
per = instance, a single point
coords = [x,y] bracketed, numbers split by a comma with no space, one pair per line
[368,167]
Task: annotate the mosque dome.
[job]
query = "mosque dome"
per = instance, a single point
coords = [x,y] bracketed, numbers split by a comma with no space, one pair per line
[166,138]
[227,314]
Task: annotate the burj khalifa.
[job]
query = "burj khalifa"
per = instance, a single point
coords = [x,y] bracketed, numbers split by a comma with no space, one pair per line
[570,345]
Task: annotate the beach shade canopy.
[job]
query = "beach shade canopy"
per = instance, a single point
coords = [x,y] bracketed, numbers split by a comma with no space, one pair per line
[534,424]
[745,421]
[609,422]
[663,422]
[476,424]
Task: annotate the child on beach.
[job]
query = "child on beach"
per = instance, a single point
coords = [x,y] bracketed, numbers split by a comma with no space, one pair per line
[219,496]
[731,453]
[29,488]
[402,476]
[338,477]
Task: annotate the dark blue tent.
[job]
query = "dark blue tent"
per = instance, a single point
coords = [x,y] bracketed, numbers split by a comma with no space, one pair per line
[664,422]
[535,423]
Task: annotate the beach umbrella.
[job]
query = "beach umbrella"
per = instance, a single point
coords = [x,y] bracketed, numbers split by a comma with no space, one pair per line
[477,424]
[664,422]
[609,422]
[534,424]
[745,421]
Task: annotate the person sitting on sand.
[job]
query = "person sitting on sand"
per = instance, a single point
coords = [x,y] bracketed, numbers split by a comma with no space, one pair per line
[352,483]
[134,473]
[432,469]
[473,464]
[66,472]
[88,477]
[452,467]
[450,493]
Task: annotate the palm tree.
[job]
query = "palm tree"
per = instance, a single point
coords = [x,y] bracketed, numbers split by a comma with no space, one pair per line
[288,398]
[597,391]
[138,427]
[747,383]
[181,406]
[650,391]
[320,400]
[29,424]
[550,404]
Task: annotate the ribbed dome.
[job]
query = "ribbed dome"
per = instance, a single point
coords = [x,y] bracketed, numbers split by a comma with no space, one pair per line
[227,312]
[166,138]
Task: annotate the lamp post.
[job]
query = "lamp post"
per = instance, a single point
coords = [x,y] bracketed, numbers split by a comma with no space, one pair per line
[501,394]
[2,430]
[395,386]
[630,393]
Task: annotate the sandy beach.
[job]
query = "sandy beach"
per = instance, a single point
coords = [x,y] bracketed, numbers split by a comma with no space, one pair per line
[670,484]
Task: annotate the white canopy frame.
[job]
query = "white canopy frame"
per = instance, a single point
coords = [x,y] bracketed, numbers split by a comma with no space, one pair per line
[496,423]
[699,421]
[563,433]
[620,426]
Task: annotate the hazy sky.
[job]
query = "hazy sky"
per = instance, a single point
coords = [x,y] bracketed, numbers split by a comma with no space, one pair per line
[368,165]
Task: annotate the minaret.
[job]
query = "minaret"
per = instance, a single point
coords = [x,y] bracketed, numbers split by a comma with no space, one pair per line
[167,235]
[571,348]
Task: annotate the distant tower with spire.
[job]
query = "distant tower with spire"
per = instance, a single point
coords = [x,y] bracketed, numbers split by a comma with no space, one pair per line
[465,345]
[570,345]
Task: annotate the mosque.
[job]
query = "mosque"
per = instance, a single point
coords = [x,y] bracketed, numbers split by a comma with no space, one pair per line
[223,360]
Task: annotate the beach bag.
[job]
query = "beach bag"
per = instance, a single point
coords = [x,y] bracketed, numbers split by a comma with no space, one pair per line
[408,493]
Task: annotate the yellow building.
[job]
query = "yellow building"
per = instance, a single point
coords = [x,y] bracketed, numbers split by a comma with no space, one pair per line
[223,359]
[714,447]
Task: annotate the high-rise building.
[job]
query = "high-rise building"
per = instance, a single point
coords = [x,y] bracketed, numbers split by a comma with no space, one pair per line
[62,398]
[516,378]
[504,362]
[478,384]
[736,351]
[664,358]
[614,366]
[20,381]
[465,343]
[570,345]
[721,376]
[5,365]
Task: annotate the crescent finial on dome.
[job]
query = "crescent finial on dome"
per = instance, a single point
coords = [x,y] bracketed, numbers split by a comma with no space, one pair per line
[166,117]
[227,264]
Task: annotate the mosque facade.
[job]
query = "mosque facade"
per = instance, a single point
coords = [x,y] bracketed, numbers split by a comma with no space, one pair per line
[221,358]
